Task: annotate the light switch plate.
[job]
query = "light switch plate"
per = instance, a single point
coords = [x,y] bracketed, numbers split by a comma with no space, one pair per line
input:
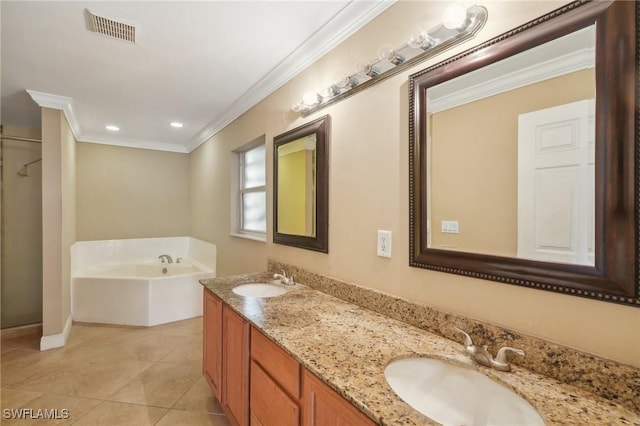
[384,243]
[450,227]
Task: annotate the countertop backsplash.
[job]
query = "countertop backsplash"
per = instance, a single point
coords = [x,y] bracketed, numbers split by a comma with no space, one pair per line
[606,378]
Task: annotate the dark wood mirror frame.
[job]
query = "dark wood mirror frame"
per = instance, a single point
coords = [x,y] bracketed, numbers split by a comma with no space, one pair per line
[615,276]
[321,127]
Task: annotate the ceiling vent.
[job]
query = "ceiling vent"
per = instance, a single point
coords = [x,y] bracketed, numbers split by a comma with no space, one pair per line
[112,28]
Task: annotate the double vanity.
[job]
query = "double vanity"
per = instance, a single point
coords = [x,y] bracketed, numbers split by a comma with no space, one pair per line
[290,354]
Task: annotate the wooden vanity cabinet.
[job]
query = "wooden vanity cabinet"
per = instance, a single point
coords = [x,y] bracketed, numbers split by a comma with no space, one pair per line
[226,358]
[258,383]
[235,367]
[275,384]
[212,345]
[322,406]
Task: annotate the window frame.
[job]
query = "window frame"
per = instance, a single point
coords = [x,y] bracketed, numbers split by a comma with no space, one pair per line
[238,191]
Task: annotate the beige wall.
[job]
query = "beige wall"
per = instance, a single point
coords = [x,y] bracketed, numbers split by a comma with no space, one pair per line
[58,219]
[69,207]
[486,168]
[22,230]
[369,191]
[131,193]
[210,198]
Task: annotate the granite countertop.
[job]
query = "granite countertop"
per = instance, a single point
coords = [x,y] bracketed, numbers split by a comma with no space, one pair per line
[348,347]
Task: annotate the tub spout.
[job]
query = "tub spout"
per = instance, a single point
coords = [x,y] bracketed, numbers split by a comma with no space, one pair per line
[165,258]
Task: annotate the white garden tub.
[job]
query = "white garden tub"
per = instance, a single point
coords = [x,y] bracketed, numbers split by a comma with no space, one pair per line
[125,282]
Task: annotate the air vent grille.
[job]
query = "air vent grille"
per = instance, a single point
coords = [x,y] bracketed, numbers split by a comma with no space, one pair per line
[112,28]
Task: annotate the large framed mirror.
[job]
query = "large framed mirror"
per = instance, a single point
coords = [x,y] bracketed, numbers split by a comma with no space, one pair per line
[524,156]
[301,186]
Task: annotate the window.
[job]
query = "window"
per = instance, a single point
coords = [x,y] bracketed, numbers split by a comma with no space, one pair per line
[249,195]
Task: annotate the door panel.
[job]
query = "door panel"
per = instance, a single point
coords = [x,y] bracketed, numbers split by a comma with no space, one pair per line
[556,184]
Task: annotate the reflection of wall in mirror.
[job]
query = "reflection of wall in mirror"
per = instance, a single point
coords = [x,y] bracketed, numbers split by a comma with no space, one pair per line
[473,167]
[295,194]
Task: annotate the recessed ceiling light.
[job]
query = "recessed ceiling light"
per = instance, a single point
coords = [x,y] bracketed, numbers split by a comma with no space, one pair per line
[112,128]
[176,124]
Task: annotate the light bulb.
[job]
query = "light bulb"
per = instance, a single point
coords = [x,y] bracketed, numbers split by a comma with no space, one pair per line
[345,81]
[454,16]
[112,127]
[364,68]
[388,53]
[421,40]
[326,92]
[310,99]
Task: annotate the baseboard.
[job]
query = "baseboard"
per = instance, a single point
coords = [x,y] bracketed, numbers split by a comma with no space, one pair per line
[20,331]
[56,340]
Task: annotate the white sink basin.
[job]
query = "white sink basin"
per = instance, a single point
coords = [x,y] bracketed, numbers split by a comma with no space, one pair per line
[259,290]
[454,395]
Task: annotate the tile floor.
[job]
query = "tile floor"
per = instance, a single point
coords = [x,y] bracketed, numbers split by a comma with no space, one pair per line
[112,376]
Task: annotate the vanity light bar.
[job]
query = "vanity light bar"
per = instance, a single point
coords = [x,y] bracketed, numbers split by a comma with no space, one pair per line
[390,61]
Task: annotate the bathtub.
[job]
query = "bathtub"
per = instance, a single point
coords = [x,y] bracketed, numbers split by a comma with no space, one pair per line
[124,281]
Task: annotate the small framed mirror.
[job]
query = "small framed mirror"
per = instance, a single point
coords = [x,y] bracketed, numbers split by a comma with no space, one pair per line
[524,156]
[301,186]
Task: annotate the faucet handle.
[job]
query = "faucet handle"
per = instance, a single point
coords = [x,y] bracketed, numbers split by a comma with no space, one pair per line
[500,361]
[468,341]
[283,278]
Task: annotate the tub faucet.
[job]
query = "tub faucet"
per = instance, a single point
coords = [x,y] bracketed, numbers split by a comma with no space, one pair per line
[284,279]
[165,258]
[483,357]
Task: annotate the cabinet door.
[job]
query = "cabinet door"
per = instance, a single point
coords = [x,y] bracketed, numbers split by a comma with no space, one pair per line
[235,367]
[212,357]
[322,406]
[270,405]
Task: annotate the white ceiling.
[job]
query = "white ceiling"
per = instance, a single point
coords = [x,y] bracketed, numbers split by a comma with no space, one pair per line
[202,63]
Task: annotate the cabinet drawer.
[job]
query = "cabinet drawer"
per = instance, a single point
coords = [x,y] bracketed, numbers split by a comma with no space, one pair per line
[276,362]
[270,405]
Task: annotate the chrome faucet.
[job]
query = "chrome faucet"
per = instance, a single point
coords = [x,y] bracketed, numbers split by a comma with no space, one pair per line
[283,278]
[483,357]
[165,257]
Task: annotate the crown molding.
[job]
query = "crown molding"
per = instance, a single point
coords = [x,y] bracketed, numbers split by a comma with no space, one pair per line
[133,143]
[63,103]
[346,22]
[47,100]
[556,67]
[349,20]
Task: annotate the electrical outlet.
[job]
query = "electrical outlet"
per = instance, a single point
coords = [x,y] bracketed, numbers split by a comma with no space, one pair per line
[384,243]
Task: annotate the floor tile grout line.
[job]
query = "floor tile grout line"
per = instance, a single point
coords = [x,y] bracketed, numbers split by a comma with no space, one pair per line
[128,382]
[117,402]
[88,342]
[195,382]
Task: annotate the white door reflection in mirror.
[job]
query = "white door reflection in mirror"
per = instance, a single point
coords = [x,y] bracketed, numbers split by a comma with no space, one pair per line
[556,163]
[473,173]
